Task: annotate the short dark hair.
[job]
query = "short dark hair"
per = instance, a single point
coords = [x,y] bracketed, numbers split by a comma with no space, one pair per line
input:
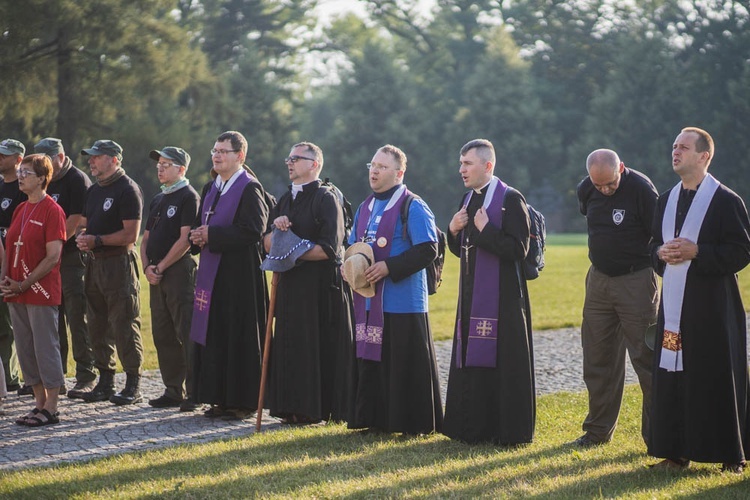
[485,149]
[41,165]
[312,148]
[237,139]
[704,143]
[396,153]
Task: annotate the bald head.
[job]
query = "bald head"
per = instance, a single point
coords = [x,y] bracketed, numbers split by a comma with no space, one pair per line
[605,169]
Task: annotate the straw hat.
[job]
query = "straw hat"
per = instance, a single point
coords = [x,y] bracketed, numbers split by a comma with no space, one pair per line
[357,259]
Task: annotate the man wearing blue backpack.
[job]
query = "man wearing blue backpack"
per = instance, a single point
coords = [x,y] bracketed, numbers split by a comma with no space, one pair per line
[621,291]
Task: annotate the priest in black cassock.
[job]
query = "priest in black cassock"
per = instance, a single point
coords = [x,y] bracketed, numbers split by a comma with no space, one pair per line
[491,395]
[231,300]
[312,347]
[700,406]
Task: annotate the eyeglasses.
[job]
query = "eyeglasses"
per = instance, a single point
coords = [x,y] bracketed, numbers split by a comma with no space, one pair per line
[162,165]
[25,173]
[294,159]
[376,167]
[222,152]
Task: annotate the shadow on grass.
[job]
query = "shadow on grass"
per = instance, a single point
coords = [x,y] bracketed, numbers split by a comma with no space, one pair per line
[320,461]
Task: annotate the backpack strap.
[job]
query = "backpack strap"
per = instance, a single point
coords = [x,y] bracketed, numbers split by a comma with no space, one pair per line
[405,214]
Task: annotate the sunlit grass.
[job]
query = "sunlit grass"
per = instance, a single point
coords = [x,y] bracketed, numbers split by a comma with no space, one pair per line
[330,461]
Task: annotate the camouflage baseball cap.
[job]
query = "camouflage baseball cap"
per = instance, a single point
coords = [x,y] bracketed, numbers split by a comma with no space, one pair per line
[177,155]
[12,147]
[104,147]
[49,146]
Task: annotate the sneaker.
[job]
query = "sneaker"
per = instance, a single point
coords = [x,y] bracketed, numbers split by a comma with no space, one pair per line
[80,389]
[587,441]
[189,405]
[26,390]
[165,401]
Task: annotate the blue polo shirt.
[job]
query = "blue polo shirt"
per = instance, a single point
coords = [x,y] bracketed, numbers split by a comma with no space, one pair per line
[410,294]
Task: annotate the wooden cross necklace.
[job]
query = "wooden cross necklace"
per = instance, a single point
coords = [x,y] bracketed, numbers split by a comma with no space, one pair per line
[19,243]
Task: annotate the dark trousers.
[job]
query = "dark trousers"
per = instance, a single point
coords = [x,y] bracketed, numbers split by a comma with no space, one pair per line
[616,313]
[72,313]
[114,312]
[171,316]
[8,347]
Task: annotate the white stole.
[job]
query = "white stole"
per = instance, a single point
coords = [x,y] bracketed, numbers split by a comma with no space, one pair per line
[675,275]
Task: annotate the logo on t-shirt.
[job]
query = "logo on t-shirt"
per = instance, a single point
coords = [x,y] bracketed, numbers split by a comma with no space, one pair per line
[55,196]
[5,203]
[171,211]
[108,203]
[618,215]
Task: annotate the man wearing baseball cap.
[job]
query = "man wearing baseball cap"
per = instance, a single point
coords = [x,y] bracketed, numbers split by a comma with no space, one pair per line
[170,271]
[68,188]
[110,223]
[11,154]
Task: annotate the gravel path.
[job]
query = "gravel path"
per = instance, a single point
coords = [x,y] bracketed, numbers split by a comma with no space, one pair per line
[88,431]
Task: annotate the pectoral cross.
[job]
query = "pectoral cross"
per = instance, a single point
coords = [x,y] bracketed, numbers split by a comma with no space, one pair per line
[209,214]
[18,244]
[466,248]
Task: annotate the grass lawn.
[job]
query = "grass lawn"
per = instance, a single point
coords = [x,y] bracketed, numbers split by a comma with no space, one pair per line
[330,461]
[556,296]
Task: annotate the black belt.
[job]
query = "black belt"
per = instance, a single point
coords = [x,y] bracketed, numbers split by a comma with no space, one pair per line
[110,252]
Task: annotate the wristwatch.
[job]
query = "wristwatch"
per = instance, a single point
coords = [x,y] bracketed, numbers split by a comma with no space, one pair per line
[98,241]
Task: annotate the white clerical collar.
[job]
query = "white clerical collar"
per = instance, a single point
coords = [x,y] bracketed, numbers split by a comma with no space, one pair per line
[479,190]
[223,187]
[298,188]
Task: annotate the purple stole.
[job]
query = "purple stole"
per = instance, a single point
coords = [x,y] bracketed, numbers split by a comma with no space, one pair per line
[369,328]
[481,349]
[223,214]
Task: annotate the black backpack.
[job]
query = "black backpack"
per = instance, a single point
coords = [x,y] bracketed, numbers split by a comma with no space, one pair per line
[346,207]
[435,269]
[534,262]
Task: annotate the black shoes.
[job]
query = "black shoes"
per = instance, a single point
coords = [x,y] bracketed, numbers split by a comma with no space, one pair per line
[165,401]
[103,390]
[131,393]
[189,405]
[80,389]
[26,390]
[587,441]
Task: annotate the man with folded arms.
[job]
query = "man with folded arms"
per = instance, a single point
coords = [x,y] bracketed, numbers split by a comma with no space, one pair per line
[109,229]
[68,188]
[170,271]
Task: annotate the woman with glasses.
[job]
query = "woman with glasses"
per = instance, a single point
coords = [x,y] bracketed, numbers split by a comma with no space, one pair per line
[30,283]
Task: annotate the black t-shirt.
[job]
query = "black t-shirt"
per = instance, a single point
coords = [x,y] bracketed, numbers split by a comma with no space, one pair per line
[106,207]
[619,225]
[10,197]
[168,213]
[69,192]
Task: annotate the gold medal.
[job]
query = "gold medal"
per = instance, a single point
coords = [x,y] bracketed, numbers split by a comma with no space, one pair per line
[382,242]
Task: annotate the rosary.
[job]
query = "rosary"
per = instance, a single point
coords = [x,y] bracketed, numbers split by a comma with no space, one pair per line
[18,244]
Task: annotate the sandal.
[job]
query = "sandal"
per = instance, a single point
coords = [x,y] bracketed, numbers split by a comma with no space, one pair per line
[49,419]
[25,419]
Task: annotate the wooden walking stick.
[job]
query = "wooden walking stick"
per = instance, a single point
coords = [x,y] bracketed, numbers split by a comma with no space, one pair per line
[266,351]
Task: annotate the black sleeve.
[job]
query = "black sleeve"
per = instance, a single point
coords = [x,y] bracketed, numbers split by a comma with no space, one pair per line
[331,223]
[730,253]
[411,261]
